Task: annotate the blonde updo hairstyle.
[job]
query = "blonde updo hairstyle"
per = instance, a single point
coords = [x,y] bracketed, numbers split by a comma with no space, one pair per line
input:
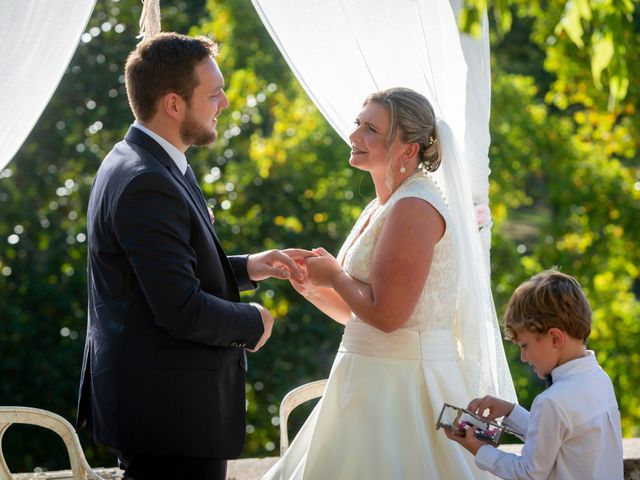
[412,115]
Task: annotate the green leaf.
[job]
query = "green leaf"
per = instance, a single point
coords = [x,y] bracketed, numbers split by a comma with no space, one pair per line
[571,23]
[602,46]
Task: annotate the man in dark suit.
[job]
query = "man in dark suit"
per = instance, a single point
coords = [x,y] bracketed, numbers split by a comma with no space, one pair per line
[163,374]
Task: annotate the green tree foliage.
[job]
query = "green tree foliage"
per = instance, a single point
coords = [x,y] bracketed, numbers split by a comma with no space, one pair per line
[598,32]
[565,188]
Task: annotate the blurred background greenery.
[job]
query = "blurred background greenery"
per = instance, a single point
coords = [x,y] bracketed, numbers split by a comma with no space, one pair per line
[565,191]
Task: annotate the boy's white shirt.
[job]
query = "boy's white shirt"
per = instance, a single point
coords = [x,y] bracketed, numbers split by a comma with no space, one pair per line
[572,432]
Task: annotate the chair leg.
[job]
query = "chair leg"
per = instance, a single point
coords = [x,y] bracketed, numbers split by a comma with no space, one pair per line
[4,468]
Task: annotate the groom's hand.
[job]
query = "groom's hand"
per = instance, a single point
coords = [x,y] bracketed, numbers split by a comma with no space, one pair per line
[267,322]
[277,264]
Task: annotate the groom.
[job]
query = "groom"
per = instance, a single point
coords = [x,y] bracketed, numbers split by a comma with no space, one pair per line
[162,380]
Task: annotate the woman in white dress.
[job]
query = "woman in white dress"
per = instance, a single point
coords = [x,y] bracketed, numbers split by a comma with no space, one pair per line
[395,286]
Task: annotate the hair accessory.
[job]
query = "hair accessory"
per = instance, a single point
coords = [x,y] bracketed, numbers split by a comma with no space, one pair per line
[432,140]
[402,169]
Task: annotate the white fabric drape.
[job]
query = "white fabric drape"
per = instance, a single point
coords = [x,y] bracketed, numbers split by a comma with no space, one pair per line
[343,50]
[478,109]
[37,40]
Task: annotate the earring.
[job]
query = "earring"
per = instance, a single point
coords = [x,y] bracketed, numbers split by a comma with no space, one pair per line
[402,169]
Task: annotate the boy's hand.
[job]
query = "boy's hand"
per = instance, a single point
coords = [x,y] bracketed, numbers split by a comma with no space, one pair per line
[496,406]
[468,441]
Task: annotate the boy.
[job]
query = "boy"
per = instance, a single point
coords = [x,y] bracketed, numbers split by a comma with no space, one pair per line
[573,430]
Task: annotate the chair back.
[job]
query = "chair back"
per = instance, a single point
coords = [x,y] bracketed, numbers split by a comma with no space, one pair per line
[42,418]
[291,400]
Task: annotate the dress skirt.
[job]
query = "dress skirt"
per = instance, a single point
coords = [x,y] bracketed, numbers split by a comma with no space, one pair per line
[377,417]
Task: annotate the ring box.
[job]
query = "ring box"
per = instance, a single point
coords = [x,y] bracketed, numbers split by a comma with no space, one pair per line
[458,420]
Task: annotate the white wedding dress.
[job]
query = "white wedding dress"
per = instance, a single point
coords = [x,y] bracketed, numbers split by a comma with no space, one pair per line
[376,420]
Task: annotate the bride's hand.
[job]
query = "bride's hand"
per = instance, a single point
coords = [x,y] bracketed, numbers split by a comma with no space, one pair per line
[323,268]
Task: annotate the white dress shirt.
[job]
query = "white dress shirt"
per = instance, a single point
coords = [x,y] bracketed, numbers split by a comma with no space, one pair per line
[176,155]
[572,433]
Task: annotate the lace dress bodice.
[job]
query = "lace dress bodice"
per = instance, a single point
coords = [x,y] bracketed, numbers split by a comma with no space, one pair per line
[436,306]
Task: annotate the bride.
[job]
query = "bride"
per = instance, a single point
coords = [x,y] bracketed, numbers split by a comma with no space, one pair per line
[418,314]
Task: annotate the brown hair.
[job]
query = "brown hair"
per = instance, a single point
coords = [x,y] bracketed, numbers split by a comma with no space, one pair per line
[412,115]
[549,299]
[162,64]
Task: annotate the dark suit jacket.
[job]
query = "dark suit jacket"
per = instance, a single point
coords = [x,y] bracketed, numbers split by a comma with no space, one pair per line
[164,362]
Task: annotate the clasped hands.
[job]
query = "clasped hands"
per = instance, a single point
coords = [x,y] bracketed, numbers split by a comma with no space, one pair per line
[298,265]
[301,267]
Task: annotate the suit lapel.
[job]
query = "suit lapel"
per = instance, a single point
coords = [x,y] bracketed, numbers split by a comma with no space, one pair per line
[145,141]
[198,202]
[140,138]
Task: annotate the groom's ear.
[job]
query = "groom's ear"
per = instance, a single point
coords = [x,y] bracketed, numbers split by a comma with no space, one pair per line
[172,105]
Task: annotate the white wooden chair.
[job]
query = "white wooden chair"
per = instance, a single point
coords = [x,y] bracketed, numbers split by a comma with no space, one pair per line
[291,400]
[42,418]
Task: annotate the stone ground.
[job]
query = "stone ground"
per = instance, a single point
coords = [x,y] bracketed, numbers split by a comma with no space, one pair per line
[254,468]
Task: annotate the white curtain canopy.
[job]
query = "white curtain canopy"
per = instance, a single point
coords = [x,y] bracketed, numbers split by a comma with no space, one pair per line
[341,51]
[37,40]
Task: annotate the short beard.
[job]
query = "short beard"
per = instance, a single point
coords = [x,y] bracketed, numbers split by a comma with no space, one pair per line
[194,133]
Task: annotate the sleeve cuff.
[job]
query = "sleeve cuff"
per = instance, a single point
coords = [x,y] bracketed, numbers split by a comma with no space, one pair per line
[518,419]
[239,266]
[251,343]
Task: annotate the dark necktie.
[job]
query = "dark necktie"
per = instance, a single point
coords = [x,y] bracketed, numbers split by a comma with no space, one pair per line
[195,188]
